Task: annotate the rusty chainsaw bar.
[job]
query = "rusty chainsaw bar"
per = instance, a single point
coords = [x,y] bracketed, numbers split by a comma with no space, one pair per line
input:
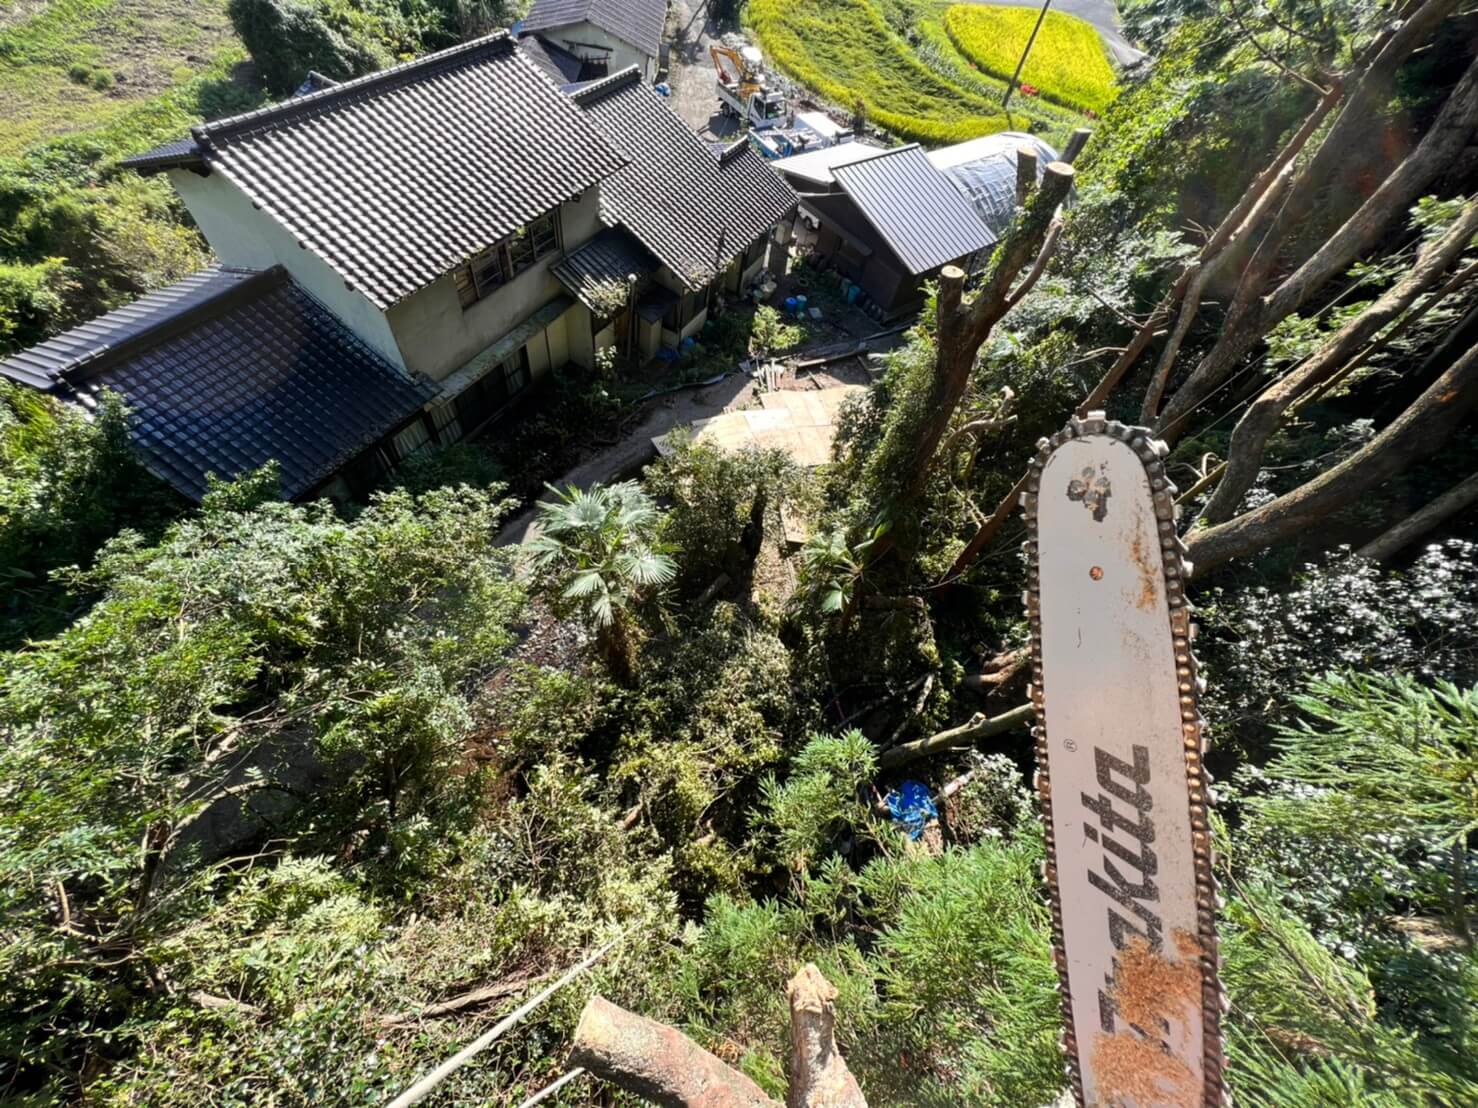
[1119,771]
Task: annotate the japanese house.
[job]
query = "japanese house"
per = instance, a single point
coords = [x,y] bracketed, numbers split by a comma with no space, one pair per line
[416,248]
[890,219]
[590,39]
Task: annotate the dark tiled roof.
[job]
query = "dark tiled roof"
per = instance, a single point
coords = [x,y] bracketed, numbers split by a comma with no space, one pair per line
[915,208]
[562,66]
[602,269]
[236,369]
[638,22]
[43,366]
[185,152]
[396,178]
[314,82]
[176,154]
[693,210]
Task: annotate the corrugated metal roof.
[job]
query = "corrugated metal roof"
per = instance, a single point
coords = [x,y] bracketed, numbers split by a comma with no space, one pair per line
[816,166]
[914,207]
[396,178]
[984,170]
[694,210]
[602,269]
[638,22]
[231,369]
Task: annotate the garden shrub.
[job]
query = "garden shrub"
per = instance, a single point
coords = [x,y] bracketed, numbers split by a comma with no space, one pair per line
[287,38]
[1067,64]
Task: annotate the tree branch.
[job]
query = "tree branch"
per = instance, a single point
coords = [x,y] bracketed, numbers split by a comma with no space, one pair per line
[1250,437]
[956,737]
[1419,431]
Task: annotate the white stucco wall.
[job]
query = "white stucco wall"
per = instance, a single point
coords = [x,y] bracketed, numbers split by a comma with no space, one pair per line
[242,235]
[623,53]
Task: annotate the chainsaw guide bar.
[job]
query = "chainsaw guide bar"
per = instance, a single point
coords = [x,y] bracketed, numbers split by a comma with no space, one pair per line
[1123,792]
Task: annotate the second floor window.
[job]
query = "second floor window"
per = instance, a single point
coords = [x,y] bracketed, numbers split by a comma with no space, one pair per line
[488,269]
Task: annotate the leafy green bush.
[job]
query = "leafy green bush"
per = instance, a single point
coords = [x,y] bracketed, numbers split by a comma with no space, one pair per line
[1067,63]
[249,662]
[712,497]
[68,483]
[287,38]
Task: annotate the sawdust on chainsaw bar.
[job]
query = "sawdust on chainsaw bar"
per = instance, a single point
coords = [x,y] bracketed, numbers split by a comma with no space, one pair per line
[1148,990]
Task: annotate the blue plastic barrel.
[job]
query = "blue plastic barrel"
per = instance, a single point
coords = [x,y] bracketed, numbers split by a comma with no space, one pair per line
[790,305]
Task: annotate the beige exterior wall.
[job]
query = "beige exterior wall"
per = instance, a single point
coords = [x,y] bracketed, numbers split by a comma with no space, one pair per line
[437,337]
[242,235]
[576,35]
[426,333]
[579,341]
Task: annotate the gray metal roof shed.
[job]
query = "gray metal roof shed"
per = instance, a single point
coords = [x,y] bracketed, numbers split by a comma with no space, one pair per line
[922,217]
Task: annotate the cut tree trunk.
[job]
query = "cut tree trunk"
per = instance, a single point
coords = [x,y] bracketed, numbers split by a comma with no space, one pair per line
[1456,499]
[964,326]
[1247,317]
[1419,431]
[657,1062]
[819,1078]
[1250,437]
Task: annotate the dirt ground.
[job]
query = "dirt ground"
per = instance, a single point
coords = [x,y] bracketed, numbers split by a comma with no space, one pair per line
[690,70]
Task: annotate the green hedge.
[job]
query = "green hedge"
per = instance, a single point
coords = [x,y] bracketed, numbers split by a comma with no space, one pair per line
[1067,64]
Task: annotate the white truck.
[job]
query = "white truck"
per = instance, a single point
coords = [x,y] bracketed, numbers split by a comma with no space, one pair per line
[742,90]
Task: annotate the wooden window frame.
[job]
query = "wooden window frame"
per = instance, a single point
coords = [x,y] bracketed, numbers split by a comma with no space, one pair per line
[490,269]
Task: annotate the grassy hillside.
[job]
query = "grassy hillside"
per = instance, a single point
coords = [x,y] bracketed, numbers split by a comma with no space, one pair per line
[895,59]
[898,60]
[1067,64]
[68,66]
[84,83]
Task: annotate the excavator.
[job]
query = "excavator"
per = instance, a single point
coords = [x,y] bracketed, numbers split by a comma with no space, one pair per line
[741,88]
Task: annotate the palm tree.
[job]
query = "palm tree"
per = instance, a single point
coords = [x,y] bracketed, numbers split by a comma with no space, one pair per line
[600,553]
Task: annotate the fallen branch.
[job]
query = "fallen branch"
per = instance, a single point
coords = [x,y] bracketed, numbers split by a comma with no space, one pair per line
[1454,500]
[657,1062]
[225,1004]
[426,1085]
[460,1003]
[553,1087]
[1252,432]
[979,727]
[1416,433]
[913,712]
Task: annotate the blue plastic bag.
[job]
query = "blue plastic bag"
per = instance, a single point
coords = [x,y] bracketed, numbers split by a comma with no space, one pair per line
[912,804]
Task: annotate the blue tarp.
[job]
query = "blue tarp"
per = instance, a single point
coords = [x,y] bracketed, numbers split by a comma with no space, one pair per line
[912,804]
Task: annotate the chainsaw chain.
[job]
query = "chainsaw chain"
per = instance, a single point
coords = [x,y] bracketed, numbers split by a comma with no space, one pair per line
[1177,571]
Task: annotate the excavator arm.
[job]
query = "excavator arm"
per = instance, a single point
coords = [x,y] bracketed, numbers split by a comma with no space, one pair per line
[732,73]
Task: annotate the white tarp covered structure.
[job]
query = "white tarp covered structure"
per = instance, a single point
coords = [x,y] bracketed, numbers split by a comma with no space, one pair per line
[984,169]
